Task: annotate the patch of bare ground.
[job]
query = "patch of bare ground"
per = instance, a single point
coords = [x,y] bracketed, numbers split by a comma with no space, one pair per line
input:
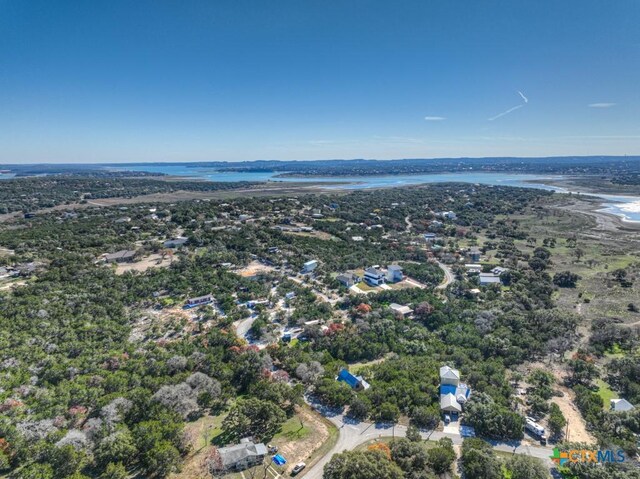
[576,426]
[299,450]
[254,268]
[151,261]
[12,284]
[165,324]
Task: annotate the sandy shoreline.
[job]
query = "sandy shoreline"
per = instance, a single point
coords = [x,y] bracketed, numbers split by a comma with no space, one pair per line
[605,220]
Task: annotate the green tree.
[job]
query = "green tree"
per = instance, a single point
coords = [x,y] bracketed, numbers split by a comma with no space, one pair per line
[479,461]
[114,471]
[442,456]
[162,459]
[333,393]
[117,448]
[37,471]
[556,421]
[253,417]
[526,467]
[361,465]
[413,433]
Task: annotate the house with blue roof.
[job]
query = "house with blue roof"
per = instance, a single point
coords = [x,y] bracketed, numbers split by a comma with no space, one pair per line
[356,382]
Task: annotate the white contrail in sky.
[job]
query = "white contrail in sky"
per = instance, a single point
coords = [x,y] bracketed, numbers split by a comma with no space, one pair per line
[514,108]
[506,112]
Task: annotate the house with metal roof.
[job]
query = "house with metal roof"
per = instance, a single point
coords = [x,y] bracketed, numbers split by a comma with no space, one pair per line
[621,405]
[453,393]
[373,276]
[489,278]
[394,273]
[240,456]
[356,382]
[122,256]
[401,309]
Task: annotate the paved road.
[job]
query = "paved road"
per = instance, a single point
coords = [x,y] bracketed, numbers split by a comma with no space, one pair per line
[352,434]
[448,276]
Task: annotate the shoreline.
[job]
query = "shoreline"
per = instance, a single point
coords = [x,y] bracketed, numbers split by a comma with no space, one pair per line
[605,220]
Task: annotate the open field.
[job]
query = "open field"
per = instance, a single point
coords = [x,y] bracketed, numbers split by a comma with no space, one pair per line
[151,261]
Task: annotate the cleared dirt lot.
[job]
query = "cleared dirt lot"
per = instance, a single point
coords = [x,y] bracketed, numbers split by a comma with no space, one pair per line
[151,261]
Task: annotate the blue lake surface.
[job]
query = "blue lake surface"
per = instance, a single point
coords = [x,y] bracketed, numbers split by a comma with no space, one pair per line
[627,207]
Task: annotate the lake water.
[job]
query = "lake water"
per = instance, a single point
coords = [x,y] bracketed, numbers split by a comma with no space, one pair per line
[627,207]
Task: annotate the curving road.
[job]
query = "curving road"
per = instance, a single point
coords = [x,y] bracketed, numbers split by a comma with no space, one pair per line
[448,276]
[353,433]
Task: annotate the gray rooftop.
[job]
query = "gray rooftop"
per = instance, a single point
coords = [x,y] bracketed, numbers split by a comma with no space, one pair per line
[231,455]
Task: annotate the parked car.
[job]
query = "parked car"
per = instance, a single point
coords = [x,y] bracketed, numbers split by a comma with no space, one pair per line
[272,449]
[297,468]
[447,419]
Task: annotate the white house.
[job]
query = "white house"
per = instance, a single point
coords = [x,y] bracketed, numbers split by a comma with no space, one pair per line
[621,405]
[309,266]
[473,268]
[176,242]
[240,456]
[401,309]
[489,278]
[449,376]
[373,276]
[453,393]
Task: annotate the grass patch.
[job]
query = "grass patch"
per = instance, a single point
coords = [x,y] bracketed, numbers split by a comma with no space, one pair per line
[605,392]
[364,286]
[293,430]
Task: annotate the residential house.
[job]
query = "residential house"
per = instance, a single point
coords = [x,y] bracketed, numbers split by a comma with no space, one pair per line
[453,393]
[474,254]
[122,256]
[373,276]
[489,278]
[348,279]
[394,273]
[473,268]
[240,456]
[430,237]
[199,301]
[356,382]
[309,266]
[401,309]
[621,405]
[176,242]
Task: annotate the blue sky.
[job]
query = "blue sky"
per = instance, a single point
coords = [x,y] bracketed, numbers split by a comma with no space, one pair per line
[117,81]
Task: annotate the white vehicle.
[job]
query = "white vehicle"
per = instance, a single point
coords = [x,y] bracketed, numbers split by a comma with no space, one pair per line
[533,427]
[298,467]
